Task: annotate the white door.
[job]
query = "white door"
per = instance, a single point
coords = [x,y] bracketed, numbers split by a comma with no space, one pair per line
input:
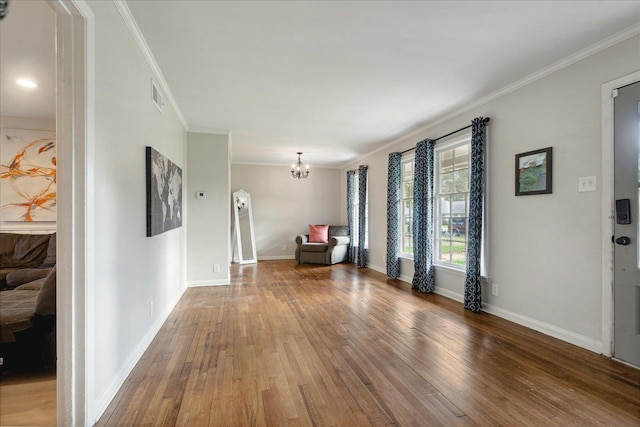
[626,255]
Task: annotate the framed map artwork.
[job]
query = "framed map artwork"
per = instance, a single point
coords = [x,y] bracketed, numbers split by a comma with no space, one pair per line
[164,194]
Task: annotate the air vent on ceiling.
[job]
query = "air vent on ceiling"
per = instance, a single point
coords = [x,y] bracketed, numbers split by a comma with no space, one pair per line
[156,96]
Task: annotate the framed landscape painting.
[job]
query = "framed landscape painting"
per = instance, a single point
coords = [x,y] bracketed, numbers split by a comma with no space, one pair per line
[164,194]
[534,172]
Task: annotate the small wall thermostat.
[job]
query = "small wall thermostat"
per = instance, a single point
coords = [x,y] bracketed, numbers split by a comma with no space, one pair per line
[201,195]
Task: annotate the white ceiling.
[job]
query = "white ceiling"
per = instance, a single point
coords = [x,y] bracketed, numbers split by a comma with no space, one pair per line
[333,79]
[27,49]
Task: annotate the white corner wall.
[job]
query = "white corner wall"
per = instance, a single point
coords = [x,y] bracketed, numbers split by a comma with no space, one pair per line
[136,279]
[31,124]
[209,219]
[284,207]
[545,250]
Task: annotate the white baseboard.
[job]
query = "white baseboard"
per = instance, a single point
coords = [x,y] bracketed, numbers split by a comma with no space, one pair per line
[546,328]
[377,268]
[217,282]
[104,399]
[275,257]
[537,325]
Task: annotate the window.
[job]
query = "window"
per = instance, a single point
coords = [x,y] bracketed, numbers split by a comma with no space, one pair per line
[406,208]
[356,213]
[355,203]
[452,203]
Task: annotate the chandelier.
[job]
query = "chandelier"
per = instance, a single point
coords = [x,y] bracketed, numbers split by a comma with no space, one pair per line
[298,170]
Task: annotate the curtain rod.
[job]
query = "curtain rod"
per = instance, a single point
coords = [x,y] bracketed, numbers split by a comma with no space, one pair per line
[486,120]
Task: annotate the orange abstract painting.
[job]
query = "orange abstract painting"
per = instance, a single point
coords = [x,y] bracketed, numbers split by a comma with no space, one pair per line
[27,175]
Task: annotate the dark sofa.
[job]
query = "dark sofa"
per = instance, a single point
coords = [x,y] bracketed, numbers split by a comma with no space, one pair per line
[27,320]
[27,301]
[25,257]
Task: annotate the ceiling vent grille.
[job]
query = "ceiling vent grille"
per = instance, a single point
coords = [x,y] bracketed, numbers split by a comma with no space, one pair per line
[156,96]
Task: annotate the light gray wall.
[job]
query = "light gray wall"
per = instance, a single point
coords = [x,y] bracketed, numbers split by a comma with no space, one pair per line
[137,279]
[545,250]
[209,223]
[31,124]
[284,207]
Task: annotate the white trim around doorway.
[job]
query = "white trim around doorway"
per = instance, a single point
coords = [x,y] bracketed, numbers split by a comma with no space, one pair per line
[74,128]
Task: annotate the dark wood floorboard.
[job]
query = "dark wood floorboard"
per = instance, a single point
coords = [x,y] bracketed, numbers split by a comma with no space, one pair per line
[306,345]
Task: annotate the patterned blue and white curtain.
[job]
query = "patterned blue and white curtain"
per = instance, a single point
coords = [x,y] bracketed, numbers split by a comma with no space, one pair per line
[394,180]
[363,251]
[472,289]
[423,276]
[350,213]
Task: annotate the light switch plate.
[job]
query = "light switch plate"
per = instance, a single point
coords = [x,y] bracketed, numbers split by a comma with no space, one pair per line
[587,183]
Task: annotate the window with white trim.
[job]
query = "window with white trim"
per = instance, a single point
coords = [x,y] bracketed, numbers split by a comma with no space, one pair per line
[406,208]
[451,205]
[451,211]
[356,213]
[355,203]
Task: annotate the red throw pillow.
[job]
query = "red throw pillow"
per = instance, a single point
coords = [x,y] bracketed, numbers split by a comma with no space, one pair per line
[318,233]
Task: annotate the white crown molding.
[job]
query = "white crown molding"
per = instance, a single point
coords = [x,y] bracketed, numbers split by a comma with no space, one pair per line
[206,130]
[127,17]
[287,165]
[544,72]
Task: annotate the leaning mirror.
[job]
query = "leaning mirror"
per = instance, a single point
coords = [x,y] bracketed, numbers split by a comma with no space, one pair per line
[244,241]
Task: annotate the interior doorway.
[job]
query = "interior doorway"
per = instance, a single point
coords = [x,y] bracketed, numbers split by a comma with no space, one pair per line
[28,386]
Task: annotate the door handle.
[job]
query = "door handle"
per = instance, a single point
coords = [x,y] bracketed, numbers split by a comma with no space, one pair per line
[624,240]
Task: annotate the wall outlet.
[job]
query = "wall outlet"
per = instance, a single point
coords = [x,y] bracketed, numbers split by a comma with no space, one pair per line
[151,308]
[216,268]
[494,289]
[284,247]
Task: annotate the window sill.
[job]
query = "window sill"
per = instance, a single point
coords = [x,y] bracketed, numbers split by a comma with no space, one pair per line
[406,257]
[449,269]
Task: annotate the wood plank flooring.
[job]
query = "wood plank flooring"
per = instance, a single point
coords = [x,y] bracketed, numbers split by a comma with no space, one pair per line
[28,399]
[306,345]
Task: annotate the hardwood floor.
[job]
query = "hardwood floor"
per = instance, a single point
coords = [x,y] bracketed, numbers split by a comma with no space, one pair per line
[28,399]
[290,344]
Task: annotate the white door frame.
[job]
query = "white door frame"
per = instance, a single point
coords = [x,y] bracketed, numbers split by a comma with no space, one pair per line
[74,128]
[607,208]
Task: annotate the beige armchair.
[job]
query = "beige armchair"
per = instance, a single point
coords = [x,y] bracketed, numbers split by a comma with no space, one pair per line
[333,252]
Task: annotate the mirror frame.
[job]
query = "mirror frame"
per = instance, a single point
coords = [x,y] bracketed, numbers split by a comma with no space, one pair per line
[242,201]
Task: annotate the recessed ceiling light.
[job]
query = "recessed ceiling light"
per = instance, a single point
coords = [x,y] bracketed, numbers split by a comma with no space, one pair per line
[27,83]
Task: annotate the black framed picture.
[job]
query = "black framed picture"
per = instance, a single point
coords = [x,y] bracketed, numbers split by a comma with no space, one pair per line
[534,172]
[164,194]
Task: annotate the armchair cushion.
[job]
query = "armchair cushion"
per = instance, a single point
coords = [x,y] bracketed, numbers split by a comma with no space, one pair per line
[314,247]
[339,240]
[338,230]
